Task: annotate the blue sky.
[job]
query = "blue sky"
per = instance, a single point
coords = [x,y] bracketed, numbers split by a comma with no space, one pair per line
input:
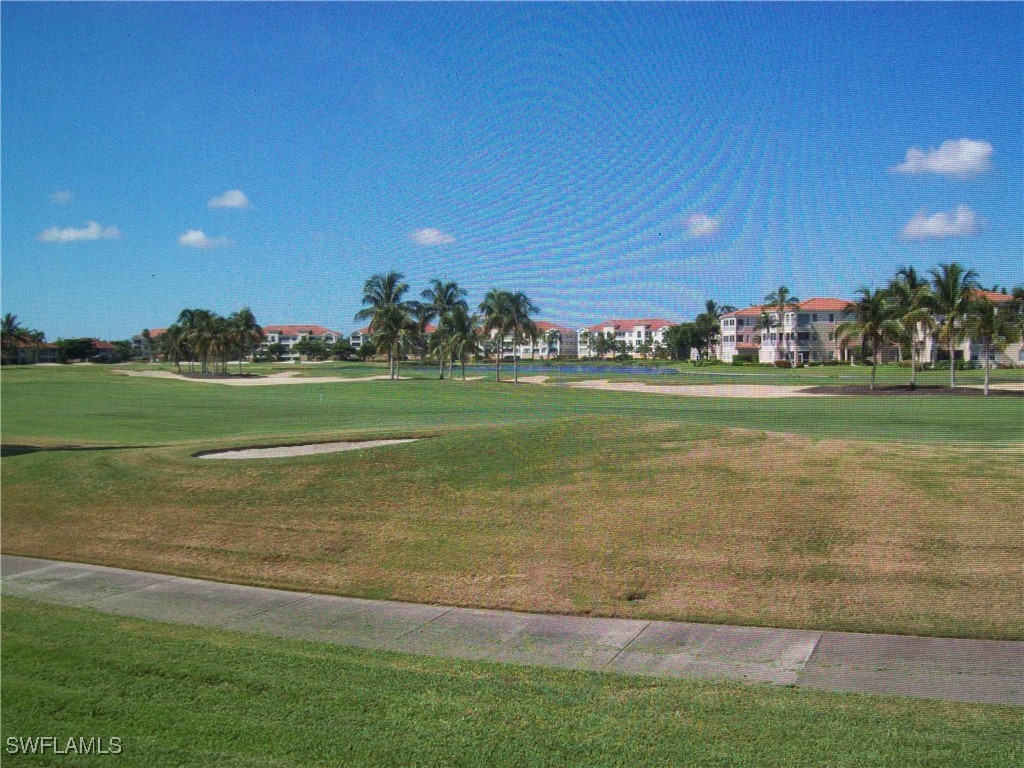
[608,160]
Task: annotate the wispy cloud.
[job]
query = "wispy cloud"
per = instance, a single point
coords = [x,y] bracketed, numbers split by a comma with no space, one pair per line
[959,222]
[431,236]
[233,198]
[91,231]
[195,238]
[702,225]
[62,197]
[963,157]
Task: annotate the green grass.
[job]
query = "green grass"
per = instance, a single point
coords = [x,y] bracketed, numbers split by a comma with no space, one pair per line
[179,696]
[538,498]
[97,406]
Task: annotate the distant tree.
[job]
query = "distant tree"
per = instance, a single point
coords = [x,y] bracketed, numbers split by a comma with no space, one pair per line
[553,339]
[950,299]
[342,349]
[75,349]
[277,350]
[174,344]
[367,349]
[123,350]
[12,335]
[384,306]
[312,348]
[680,339]
[873,320]
[442,298]
[245,333]
[995,327]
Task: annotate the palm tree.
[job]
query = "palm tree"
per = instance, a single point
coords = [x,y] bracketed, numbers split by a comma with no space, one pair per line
[779,299]
[586,340]
[553,339]
[442,297]
[522,325]
[950,297]
[245,332]
[495,311]
[994,327]
[387,312]
[175,344]
[461,332]
[873,321]
[12,335]
[907,295]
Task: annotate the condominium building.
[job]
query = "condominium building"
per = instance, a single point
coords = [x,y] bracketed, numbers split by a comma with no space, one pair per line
[807,333]
[363,335]
[290,335]
[931,351]
[634,333]
[553,341]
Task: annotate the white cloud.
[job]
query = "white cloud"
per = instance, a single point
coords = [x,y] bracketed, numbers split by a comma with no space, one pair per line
[959,222]
[91,231]
[62,197]
[963,157]
[431,236]
[233,198]
[195,238]
[702,225]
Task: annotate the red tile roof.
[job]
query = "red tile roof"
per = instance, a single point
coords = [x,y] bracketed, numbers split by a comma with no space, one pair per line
[654,324]
[826,304]
[816,304]
[994,296]
[316,330]
[429,328]
[544,325]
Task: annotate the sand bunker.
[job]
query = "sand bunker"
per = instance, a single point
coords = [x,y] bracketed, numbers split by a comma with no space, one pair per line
[283,451]
[695,390]
[273,379]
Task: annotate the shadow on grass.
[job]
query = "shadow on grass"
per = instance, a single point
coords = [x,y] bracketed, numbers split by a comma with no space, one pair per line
[13,449]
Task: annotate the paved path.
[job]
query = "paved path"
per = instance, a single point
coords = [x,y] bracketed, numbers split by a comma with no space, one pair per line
[962,670]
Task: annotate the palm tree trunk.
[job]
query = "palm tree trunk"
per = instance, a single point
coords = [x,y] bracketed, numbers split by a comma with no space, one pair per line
[462,360]
[497,364]
[913,367]
[441,371]
[515,365]
[987,367]
[874,365]
[952,364]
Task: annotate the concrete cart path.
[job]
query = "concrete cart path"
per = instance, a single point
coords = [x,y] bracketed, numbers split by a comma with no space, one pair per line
[987,671]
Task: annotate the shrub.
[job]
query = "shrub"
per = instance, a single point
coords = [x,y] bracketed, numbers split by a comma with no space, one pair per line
[783,364]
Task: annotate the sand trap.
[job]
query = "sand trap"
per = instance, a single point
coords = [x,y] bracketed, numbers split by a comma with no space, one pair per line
[755,391]
[283,451]
[273,379]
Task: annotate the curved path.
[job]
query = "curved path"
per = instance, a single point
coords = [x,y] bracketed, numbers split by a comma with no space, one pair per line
[987,671]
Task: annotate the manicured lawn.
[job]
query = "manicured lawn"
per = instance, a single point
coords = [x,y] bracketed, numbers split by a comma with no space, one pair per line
[180,696]
[536,498]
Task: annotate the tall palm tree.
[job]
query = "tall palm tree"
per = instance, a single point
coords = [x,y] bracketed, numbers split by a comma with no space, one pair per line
[388,314]
[12,334]
[907,295]
[950,297]
[245,332]
[779,299]
[994,327]
[175,344]
[442,297]
[496,311]
[521,325]
[461,331]
[873,320]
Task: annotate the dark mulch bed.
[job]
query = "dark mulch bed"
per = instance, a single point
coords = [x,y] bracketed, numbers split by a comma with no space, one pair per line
[906,389]
[187,375]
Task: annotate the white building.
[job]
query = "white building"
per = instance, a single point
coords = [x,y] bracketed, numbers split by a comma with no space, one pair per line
[553,341]
[932,351]
[808,332]
[290,335]
[635,333]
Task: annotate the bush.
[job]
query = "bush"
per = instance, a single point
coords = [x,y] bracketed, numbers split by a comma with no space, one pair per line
[783,364]
[743,359]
